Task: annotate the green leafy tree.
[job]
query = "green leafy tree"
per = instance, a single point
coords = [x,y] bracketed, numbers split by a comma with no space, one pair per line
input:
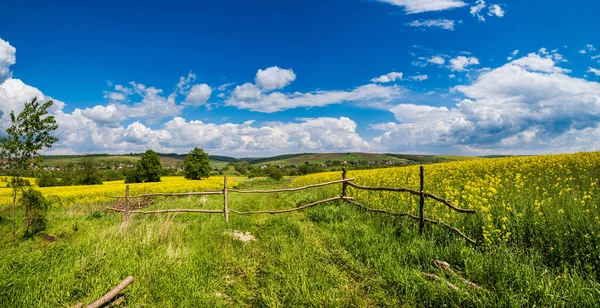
[274,173]
[36,207]
[196,165]
[29,133]
[89,171]
[47,179]
[149,169]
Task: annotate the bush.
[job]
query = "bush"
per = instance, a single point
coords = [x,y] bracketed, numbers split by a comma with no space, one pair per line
[36,207]
[112,175]
[67,179]
[47,179]
[131,176]
[274,173]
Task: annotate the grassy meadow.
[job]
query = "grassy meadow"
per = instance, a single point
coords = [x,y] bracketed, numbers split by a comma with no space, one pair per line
[537,228]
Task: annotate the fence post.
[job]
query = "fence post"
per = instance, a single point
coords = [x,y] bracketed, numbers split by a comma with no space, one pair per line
[127,202]
[225,207]
[421,201]
[344,185]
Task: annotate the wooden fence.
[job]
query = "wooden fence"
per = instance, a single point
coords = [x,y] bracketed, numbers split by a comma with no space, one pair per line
[345,183]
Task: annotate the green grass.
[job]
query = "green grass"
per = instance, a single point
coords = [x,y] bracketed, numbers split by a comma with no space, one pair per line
[332,255]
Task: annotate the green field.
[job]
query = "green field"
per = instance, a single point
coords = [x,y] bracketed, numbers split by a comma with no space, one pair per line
[332,255]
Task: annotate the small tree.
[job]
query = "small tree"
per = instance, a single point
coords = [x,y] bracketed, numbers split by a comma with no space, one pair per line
[274,173]
[89,171]
[29,133]
[149,169]
[196,165]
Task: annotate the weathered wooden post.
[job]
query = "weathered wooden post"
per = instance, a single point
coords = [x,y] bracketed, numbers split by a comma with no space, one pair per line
[127,202]
[421,201]
[225,207]
[344,185]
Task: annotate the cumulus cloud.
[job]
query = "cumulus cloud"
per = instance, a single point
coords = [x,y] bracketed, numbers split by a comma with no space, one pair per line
[274,78]
[198,95]
[389,77]
[420,6]
[461,62]
[248,96]
[529,105]
[445,24]
[7,58]
[437,60]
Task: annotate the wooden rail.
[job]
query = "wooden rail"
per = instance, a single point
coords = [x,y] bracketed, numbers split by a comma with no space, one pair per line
[345,183]
[289,189]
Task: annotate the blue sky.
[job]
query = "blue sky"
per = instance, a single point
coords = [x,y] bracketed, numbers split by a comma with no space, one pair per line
[254,78]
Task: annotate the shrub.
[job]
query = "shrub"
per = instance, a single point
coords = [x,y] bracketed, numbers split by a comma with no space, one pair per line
[47,179]
[112,175]
[36,207]
[274,173]
[131,176]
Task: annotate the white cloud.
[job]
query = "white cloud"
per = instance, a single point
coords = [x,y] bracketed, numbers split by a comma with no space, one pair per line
[248,96]
[198,95]
[515,53]
[437,60]
[461,62]
[451,76]
[274,78]
[7,58]
[476,9]
[438,23]
[419,77]
[594,71]
[184,82]
[526,106]
[224,87]
[496,10]
[583,51]
[420,6]
[389,77]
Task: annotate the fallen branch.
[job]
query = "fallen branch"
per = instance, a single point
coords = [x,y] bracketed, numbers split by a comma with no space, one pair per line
[110,295]
[443,224]
[288,210]
[446,267]
[167,211]
[436,277]
[288,189]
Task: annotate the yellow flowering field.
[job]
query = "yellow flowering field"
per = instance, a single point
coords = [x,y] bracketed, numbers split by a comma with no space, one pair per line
[548,201]
[94,194]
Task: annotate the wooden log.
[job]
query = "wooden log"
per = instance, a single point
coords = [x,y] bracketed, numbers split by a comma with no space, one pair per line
[112,293]
[288,210]
[127,202]
[167,211]
[288,189]
[421,200]
[443,224]
[78,305]
[225,208]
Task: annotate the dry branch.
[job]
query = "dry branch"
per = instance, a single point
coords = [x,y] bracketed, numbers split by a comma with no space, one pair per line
[110,295]
[167,211]
[446,267]
[288,210]
[288,189]
[416,193]
[443,224]
[436,277]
